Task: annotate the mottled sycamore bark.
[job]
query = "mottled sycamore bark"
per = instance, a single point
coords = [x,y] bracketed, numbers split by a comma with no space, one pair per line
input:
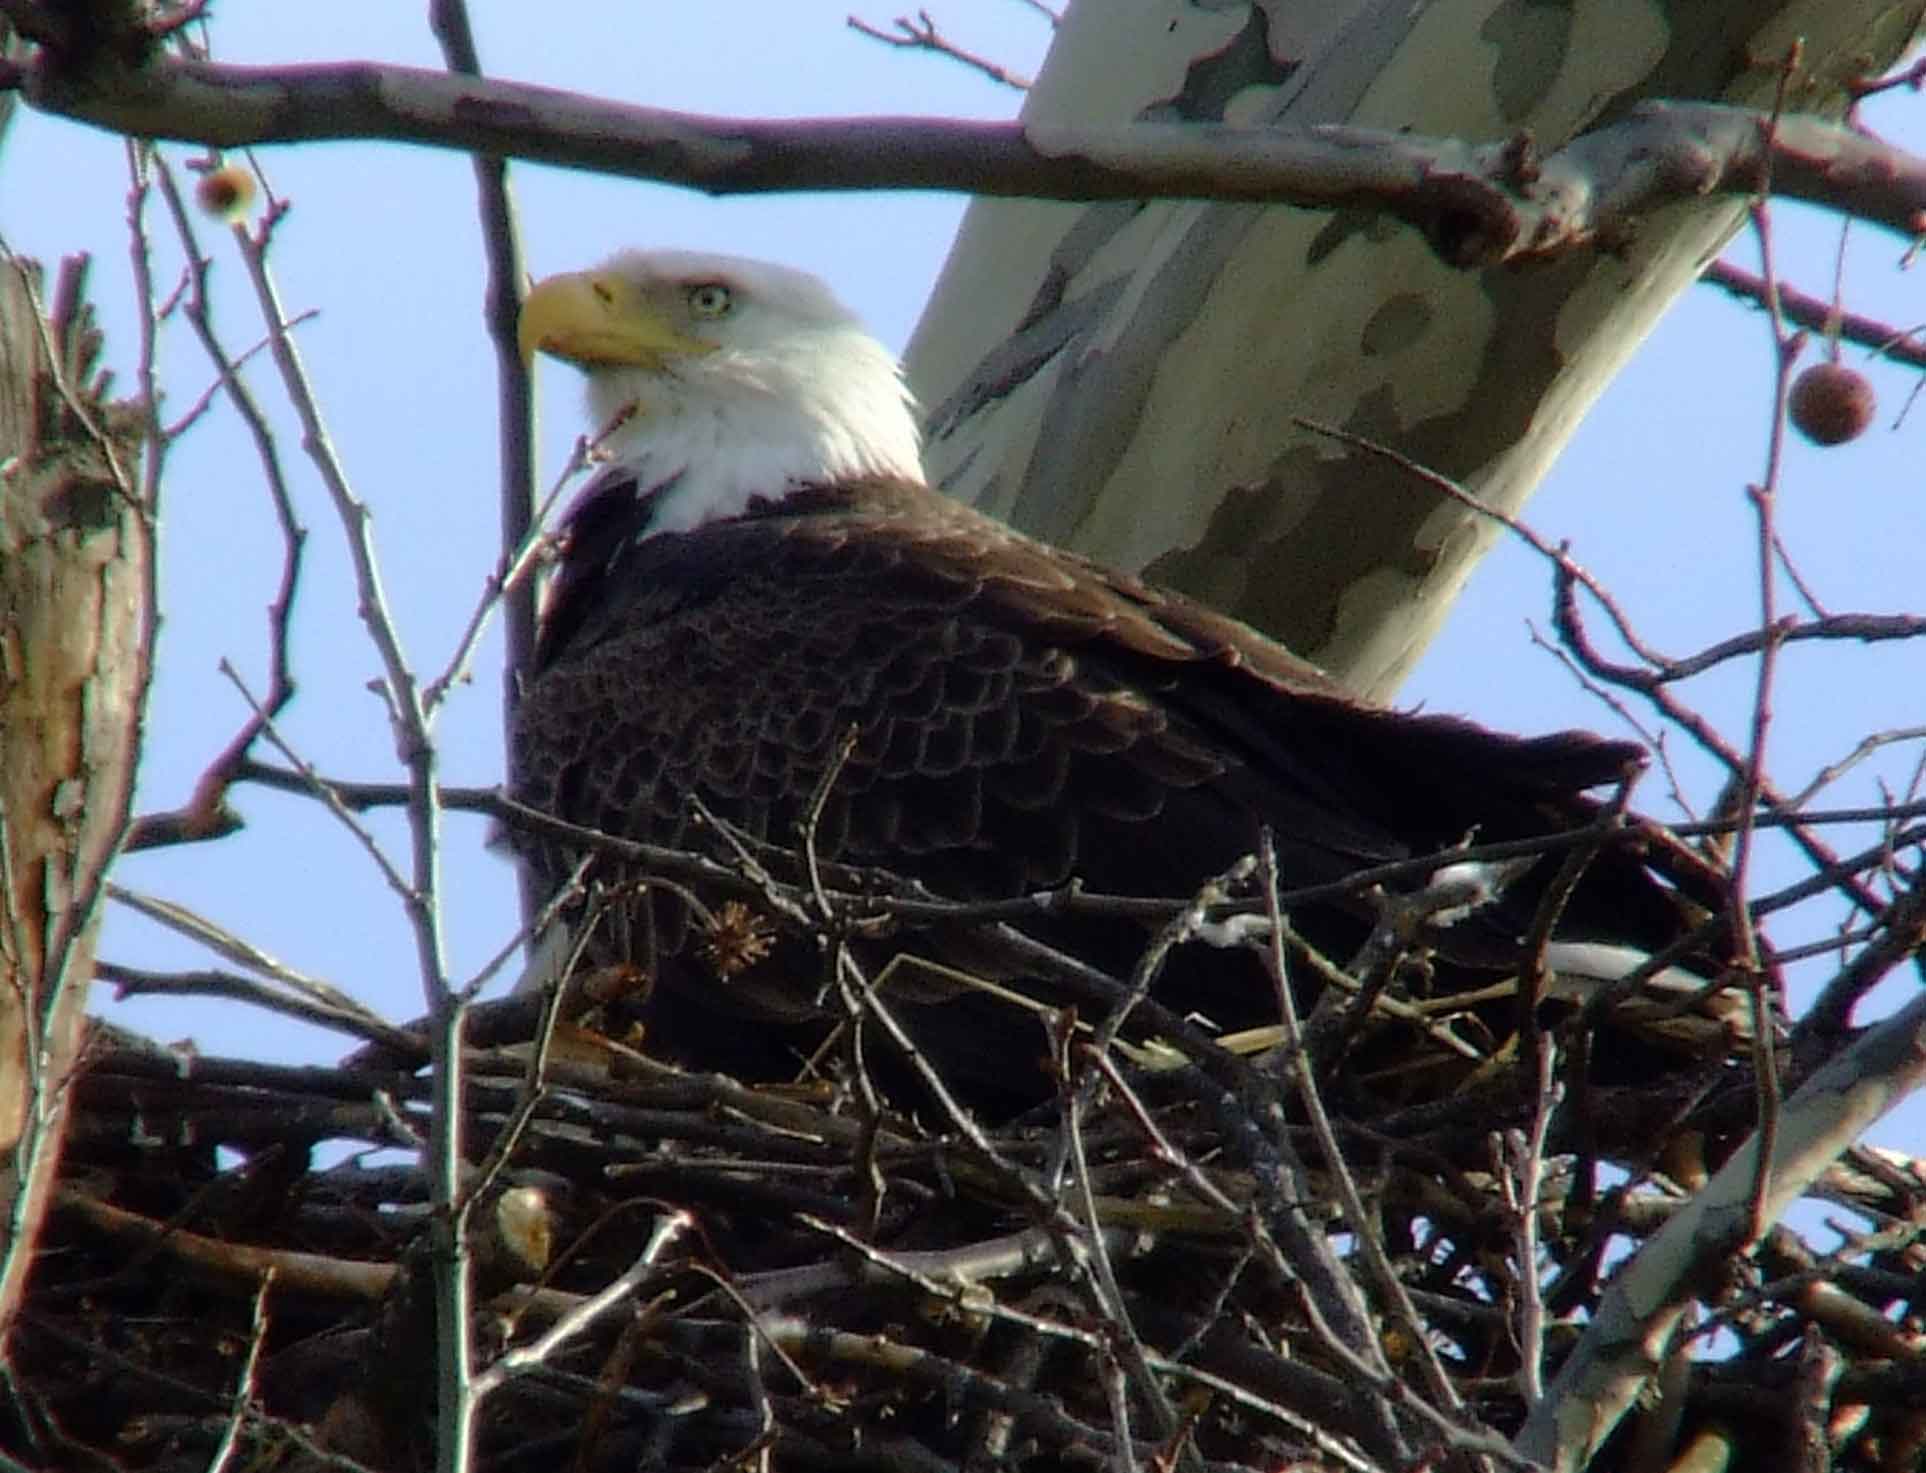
[75,618]
[1122,377]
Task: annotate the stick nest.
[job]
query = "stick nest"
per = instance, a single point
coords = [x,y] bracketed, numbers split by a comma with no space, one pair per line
[1160,1268]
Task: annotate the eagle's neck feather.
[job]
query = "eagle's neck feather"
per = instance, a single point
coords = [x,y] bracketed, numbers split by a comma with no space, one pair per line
[714,435]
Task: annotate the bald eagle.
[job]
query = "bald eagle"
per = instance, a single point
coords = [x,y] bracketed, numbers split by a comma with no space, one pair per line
[763,605]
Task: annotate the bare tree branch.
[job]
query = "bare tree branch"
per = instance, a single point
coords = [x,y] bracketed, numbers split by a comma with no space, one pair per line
[515,390]
[1901,344]
[1478,204]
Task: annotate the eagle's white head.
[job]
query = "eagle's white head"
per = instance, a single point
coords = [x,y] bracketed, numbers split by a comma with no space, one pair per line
[739,379]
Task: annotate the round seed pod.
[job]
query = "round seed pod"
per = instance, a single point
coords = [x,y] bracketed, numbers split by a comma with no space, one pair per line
[1831,403]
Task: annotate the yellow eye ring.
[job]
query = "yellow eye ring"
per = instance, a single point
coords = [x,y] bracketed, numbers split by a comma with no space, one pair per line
[710,299]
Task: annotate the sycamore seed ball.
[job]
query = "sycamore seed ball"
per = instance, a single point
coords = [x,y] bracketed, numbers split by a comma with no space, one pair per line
[1832,403]
[226,192]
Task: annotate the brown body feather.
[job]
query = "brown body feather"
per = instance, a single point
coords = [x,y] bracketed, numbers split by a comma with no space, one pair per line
[1022,717]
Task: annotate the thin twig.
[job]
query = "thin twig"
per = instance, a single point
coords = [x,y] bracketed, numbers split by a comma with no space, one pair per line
[1126,1344]
[921,34]
[521,1359]
[204,809]
[514,567]
[1519,1169]
[1763,496]
[1364,1226]
[242,1410]
[212,982]
[515,394]
[371,846]
[1558,555]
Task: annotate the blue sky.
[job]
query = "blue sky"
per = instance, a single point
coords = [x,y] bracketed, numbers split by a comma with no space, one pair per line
[382,243]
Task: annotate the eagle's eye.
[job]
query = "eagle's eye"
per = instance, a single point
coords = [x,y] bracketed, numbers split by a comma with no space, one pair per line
[710,300]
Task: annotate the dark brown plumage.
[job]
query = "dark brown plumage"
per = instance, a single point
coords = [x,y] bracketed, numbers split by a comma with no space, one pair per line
[1023,718]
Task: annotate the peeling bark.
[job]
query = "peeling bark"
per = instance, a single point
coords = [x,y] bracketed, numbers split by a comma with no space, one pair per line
[1122,378]
[75,623]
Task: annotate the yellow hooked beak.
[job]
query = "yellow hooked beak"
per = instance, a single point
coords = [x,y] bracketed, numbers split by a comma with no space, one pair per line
[598,319]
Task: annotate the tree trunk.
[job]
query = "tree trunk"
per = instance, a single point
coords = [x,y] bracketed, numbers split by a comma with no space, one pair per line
[76,607]
[1121,378]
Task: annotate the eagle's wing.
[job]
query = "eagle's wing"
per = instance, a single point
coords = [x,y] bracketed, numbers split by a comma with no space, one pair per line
[1021,717]
[1004,694]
